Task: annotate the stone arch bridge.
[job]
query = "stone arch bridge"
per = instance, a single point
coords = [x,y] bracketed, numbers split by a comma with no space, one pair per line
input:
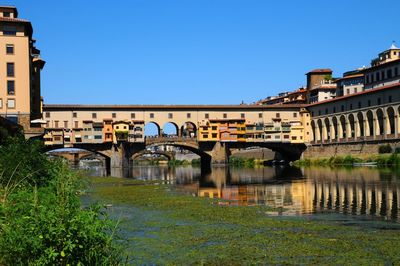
[120,154]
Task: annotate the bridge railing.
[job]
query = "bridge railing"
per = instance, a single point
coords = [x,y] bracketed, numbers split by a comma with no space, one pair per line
[162,139]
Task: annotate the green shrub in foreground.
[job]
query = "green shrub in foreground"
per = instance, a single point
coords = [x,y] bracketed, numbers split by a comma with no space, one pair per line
[41,220]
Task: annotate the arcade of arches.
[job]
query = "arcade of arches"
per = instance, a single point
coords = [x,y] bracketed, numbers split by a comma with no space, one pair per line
[377,123]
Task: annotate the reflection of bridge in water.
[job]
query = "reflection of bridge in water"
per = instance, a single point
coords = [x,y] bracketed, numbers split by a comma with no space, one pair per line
[362,192]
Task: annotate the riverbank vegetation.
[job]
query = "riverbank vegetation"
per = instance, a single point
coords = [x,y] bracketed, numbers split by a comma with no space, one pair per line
[392,159]
[245,162]
[174,229]
[41,218]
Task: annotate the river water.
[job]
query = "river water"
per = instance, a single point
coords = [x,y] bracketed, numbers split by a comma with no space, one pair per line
[353,195]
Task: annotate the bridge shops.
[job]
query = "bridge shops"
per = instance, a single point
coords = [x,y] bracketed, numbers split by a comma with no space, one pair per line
[68,125]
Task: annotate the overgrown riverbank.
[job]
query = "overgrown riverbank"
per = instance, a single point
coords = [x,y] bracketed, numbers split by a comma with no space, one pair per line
[380,160]
[167,228]
[41,219]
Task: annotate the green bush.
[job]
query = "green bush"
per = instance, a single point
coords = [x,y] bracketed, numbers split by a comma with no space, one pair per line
[41,220]
[386,148]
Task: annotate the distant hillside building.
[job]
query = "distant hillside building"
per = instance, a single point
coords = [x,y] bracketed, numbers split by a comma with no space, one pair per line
[20,66]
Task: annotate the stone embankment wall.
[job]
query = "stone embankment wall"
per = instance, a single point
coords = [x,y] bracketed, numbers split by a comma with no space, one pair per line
[361,149]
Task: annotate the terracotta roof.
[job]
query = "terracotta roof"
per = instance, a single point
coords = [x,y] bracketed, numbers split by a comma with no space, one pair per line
[324,87]
[62,107]
[320,70]
[14,20]
[381,65]
[392,86]
[350,77]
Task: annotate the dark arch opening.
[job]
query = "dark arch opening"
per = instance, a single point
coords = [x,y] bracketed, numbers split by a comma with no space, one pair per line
[319,123]
[360,118]
[370,121]
[391,117]
[352,132]
[313,130]
[335,127]
[327,128]
[189,130]
[343,126]
[379,116]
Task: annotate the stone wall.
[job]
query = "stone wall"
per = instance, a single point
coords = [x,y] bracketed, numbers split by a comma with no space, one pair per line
[345,149]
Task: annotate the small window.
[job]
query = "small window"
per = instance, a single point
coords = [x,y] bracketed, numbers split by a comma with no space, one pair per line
[151,115]
[206,116]
[56,124]
[10,87]
[260,115]
[369,103]
[47,114]
[114,115]
[65,124]
[76,124]
[1,103]
[214,135]
[294,114]
[133,115]
[359,105]
[242,115]
[9,49]
[170,115]
[94,115]
[188,115]
[326,111]
[334,109]
[379,101]
[6,14]
[74,115]
[390,98]
[351,106]
[205,136]
[225,115]
[277,115]
[10,70]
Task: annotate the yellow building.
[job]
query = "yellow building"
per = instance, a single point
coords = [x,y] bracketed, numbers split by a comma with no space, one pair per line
[20,99]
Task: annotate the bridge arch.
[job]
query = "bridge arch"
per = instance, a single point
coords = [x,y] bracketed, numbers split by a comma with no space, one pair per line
[168,155]
[107,159]
[152,129]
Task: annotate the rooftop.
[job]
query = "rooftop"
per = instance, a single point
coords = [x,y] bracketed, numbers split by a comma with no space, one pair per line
[320,70]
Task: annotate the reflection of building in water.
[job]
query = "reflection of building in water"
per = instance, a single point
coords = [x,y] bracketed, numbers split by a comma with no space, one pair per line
[367,192]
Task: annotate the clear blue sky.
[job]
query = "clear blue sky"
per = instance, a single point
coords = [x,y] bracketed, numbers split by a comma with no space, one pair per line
[199,51]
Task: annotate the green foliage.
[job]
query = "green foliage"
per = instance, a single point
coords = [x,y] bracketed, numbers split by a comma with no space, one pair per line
[242,162]
[385,148]
[196,161]
[23,162]
[41,220]
[178,162]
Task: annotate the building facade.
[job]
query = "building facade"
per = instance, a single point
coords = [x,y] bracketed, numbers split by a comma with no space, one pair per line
[20,67]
